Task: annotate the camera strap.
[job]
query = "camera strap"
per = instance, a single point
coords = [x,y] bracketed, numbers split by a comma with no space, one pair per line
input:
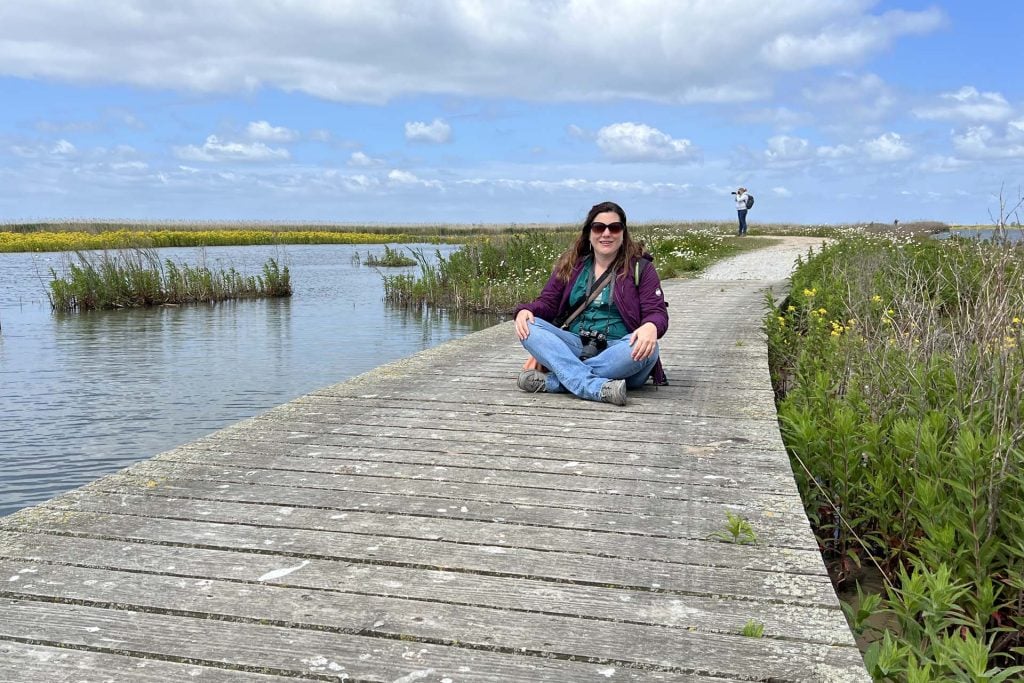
[593,292]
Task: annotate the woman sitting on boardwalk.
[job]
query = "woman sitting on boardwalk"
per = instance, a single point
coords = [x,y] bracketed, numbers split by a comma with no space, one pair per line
[612,341]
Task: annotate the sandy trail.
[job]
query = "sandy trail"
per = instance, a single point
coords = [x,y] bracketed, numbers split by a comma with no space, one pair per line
[770,264]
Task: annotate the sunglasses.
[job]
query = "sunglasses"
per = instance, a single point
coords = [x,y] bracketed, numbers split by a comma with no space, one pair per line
[599,228]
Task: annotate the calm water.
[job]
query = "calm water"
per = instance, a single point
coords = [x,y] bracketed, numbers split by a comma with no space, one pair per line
[83,395]
[1013,234]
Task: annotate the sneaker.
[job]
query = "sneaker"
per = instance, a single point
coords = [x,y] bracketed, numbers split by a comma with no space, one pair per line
[533,381]
[613,391]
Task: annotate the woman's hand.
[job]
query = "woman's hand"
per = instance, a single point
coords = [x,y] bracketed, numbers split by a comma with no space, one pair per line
[523,320]
[644,340]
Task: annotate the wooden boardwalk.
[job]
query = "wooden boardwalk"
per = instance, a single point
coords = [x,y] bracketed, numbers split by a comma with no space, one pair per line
[428,522]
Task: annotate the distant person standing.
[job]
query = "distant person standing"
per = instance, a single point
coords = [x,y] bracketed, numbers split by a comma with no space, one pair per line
[742,204]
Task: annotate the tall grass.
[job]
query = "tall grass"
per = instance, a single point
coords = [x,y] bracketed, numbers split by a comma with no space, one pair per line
[493,274]
[137,277]
[900,372]
[391,258]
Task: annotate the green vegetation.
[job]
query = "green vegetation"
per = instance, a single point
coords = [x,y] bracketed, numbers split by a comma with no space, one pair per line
[85,235]
[138,278]
[753,629]
[78,236]
[494,273]
[392,258]
[899,368]
[737,530]
[145,239]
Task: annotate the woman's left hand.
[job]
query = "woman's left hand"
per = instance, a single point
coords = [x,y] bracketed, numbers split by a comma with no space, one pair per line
[644,340]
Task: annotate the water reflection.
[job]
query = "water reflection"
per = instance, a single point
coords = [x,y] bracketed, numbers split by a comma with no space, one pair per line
[82,395]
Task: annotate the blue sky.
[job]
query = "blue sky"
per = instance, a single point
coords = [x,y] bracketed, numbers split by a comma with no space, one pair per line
[498,111]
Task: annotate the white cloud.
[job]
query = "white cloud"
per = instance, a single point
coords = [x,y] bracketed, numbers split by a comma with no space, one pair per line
[852,96]
[262,130]
[843,39]
[639,142]
[782,118]
[785,148]
[437,131]
[576,132]
[398,177]
[781,192]
[967,104]
[581,185]
[359,183]
[361,160]
[1015,129]
[63,147]
[215,150]
[937,163]
[981,142]
[664,50]
[130,166]
[784,151]
[835,152]
[888,147]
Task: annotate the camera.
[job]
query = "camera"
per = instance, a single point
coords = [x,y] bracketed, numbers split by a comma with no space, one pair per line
[594,342]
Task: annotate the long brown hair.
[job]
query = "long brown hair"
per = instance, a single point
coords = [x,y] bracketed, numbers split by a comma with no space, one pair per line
[581,248]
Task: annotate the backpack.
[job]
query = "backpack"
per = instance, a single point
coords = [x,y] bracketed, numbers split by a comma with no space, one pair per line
[750,200]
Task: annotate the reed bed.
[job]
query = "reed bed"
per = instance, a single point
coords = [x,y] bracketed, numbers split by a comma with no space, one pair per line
[137,277]
[899,368]
[391,258]
[493,274]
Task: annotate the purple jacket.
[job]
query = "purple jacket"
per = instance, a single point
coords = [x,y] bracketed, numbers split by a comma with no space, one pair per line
[637,304]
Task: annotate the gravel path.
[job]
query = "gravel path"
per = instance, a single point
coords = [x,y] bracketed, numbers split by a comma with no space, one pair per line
[770,264]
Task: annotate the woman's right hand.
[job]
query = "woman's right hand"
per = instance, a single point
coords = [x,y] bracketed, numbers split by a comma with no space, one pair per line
[523,320]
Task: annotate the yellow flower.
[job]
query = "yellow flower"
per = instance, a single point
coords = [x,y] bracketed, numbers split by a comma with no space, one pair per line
[1016,320]
[782,321]
[793,308]
[889,311]
[876,299]
[810,292]
[822,311]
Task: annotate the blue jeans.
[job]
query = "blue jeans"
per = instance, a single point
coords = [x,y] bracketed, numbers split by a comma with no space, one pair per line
[559,351]
[742,213]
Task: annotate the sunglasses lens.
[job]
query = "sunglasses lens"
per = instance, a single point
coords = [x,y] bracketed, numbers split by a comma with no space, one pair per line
[614,228]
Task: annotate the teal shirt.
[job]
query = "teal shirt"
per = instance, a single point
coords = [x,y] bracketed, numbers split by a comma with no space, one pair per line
[601,315]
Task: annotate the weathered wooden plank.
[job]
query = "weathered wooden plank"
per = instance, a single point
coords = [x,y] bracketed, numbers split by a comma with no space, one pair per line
[496,559]
[713,613]
[726,452]
[605,542]
[667,439]
[442,409]
[761,474]
[324,417]
[579,476]
[33,663]
[293,652]
[279,648]
[688,401]
[769,513]
[658,523]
